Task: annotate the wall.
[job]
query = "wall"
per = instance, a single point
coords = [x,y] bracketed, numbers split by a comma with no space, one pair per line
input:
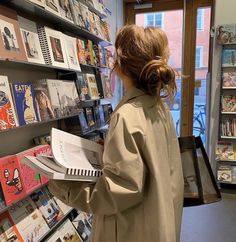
[224,14]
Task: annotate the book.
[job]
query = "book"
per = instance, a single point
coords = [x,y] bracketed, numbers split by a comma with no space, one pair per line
[228,103]
[229,80]
[42,100]
[70,98]
[31,40]
[106,86]
[92,86]
[226,34]
[65,232]
[228,127]
[47,206]
[39,2]
[224,173]
[65,9]
[71,52]
[78,19]
[8,230]
[74,158]
[55,88]
[25,103]
[224,150]
[11,179]
[2,199]
[81,51]
[82,87]
[7,112]
[84,13]
[11,44]
[28,220]
[64,208]
[82,225]
[90,117]
[53,47]
[229,57]
[52,6]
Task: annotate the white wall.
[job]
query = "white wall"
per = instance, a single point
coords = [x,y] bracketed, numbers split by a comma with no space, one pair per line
[224,14]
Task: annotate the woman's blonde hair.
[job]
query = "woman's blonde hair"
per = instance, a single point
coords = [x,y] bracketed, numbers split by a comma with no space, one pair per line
[142,54]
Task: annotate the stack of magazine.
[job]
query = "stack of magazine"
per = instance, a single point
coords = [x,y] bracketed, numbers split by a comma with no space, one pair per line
[73,158]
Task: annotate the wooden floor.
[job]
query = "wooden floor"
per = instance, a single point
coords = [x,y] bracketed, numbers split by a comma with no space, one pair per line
[211,223]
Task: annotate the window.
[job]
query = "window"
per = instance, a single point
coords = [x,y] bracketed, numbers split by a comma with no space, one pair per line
[153,19]
[198,57]
[200,19]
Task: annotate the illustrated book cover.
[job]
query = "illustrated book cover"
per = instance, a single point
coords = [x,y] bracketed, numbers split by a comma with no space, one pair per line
[42,100]
[28,220]
[229,57]
[24,100]
[90,117]
[74,158]
[229,80]
[224,150]
[65,233]
[11,179]
[226,34]
[82,87]
[31,40]
[228,103]
[8,230]
[11,44]
[65,9]
[106,85]
[81,51]
[224,173]
[78,19]
[8,117]
[92,85]
[52,6]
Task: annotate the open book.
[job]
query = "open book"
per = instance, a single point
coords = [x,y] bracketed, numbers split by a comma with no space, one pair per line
[73,158]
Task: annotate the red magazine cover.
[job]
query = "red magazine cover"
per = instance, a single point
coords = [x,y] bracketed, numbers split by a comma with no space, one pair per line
[43,149]
[81,51]
[8,231]
[30,178]
[11,179]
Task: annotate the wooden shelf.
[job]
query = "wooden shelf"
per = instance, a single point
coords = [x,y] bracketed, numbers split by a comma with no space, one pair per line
[62,24]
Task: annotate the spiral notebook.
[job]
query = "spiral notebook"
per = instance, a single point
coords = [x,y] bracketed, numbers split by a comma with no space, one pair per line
[74,158]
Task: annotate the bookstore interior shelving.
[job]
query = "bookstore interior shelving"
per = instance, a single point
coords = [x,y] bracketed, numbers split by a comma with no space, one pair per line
[92,48]
[225,147]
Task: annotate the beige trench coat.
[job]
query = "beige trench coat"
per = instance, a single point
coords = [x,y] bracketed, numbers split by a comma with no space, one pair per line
[139,197]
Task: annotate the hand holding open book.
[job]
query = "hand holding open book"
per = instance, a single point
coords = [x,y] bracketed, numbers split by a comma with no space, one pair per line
[73,158]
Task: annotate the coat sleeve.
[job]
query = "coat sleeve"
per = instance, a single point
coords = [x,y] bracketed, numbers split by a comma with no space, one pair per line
[121,185]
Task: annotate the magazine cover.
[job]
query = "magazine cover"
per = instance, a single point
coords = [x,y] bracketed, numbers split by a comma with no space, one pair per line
[92,85]
[65,9]
[82,87]
[11,44]
[7,112]
[28,220]
[85,15]
[55,88]
[25,103]
[42,100]
[226,34]
[31,40]
[70,98]
[229,80]
[11,179]
[83,122]
[77,14]
[224,150]
[97,116]
[39,2]
[106,86]
[82,225]
[90,117]
[81,51]
[56,47]
[64,208]
[2,199]
[8,230]
[228,103]
[229,57]
[46,206]
[101,115]
[228,127]
[224,173]
[52,6]
[71,53]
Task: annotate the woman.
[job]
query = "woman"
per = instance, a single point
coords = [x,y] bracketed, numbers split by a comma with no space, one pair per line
[140,194]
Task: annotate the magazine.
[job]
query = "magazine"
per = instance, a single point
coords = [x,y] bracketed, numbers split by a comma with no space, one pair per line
[229,80]
[229,57]
[224,150]
[73,158]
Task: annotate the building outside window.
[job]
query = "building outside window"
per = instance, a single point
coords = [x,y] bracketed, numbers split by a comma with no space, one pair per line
[198,57]
[200,19]
[153,19]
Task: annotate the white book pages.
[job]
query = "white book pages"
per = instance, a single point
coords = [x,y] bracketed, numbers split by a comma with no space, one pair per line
[31,40]
[73,151]
[71,52]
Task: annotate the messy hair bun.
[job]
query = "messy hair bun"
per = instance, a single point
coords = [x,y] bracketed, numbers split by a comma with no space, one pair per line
[142,55]
[157,77]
